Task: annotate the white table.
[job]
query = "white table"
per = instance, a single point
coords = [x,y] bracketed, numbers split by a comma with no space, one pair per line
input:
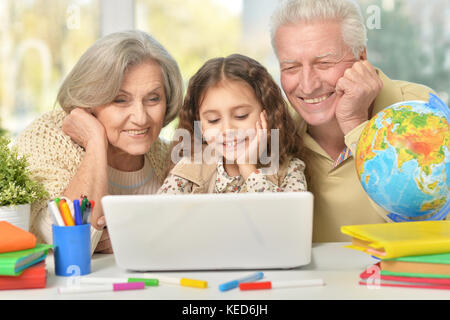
[338,266]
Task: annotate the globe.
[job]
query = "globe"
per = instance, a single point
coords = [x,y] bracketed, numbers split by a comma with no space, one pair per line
[403,160]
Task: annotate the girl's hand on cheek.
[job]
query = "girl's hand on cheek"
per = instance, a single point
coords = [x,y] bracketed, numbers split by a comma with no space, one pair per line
[247,161]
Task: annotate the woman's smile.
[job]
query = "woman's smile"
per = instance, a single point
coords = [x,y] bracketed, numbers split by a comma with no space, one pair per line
[137,133]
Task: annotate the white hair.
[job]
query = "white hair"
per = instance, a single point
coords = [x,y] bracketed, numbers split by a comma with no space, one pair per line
[97,77]
[347,12]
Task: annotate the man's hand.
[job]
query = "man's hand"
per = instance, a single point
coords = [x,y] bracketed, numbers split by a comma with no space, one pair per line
[356,91]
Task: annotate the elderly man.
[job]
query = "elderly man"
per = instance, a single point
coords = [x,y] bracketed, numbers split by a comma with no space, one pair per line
[325,74]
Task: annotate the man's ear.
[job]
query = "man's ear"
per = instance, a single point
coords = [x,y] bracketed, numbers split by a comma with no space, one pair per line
[363,55]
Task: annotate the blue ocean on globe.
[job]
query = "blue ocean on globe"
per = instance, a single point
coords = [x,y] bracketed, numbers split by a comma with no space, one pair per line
[403,159]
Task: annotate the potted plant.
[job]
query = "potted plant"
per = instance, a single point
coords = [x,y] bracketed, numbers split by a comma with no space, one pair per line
[17,189]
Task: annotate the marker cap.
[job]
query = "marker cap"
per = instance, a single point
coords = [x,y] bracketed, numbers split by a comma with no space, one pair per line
[193,283]
[255,285]
[235,283]
[128,286]
[148,282]
[229,285]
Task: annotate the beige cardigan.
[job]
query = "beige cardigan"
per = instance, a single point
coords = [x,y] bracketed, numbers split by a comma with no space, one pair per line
[54,159]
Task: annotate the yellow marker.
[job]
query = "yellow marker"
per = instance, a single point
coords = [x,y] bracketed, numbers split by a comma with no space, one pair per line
[65,213]
[183,282]
[193,283]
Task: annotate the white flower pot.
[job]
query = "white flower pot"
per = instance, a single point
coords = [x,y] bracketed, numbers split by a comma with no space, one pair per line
[16,215]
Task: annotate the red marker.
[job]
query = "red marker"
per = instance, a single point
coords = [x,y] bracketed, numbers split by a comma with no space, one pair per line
[281,284]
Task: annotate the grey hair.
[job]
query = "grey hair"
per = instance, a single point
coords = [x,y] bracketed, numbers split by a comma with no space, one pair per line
[96,78]
[347,12]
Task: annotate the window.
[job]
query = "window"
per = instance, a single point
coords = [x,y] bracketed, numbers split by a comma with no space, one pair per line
[40,41]
[194,31]
[411,41]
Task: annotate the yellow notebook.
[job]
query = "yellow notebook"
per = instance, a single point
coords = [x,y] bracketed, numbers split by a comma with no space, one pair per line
[402,239]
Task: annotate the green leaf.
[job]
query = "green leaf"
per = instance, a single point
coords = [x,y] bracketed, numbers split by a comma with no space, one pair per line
[16,185]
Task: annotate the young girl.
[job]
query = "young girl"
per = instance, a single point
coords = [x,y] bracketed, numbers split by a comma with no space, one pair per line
[231,105]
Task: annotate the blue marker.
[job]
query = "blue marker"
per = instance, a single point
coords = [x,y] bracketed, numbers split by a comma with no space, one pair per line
[235,283]
[78,216]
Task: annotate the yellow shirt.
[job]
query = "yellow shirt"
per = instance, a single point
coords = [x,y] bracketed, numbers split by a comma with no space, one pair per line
[339,198]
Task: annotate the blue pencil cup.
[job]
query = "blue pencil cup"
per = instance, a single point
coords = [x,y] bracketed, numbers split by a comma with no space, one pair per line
[72,252]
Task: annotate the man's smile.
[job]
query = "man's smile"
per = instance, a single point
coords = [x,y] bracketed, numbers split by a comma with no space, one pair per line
[316,100]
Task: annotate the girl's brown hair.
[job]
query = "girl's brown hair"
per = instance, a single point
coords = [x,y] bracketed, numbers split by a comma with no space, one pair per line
[237,67]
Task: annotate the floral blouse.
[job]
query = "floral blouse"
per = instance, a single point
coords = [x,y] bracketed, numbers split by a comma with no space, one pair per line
[256,182]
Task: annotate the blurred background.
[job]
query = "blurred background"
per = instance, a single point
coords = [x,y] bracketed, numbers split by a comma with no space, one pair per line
[41,40]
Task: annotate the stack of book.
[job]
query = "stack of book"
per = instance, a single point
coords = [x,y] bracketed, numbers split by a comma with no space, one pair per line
[409,254]
[22,260]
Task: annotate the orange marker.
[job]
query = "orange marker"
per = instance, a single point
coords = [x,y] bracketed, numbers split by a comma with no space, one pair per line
[65,213]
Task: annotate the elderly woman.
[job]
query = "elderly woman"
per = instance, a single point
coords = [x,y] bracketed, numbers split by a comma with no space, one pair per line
[104,138]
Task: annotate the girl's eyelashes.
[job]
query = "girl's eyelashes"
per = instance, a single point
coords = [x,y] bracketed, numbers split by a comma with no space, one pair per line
[242,117]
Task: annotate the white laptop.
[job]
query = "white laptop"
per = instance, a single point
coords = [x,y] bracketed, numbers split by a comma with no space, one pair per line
[210,231]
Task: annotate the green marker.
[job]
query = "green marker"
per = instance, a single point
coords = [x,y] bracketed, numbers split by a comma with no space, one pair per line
[148,282]
[83,205]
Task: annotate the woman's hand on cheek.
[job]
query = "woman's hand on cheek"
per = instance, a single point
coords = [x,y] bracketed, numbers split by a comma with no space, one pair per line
[84,129]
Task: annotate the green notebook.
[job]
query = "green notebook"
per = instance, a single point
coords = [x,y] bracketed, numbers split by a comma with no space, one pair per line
[414,274]
[442,258]
[14,263]
[427,266]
